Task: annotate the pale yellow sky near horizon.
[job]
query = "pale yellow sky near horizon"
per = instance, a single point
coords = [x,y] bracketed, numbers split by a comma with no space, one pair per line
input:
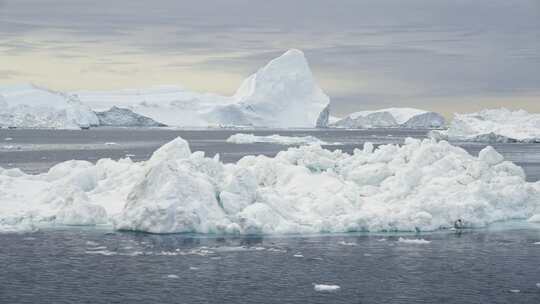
[365,54]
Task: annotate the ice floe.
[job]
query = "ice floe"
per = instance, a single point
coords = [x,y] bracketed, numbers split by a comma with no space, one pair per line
[413,241]
[422,185]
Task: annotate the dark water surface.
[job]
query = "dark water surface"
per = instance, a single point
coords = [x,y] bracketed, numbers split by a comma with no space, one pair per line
[92,266]
[500,264]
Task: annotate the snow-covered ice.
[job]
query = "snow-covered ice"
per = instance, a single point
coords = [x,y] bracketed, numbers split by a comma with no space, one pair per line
[493,125]
[241,138]
[29,106]
[392,117]
[326,287]
[413,241]
[422,185]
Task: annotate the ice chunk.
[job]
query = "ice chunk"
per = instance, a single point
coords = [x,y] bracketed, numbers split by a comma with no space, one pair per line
[241,138]
[413,241]
[326,287]
[392,117]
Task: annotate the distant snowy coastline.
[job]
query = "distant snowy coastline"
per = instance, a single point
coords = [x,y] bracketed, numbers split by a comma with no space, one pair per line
[493,125]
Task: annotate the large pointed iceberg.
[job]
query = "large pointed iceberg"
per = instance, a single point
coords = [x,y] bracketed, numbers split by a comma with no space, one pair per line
[493,125]
[421,185]
[392,117]
[29,106]
[281,94]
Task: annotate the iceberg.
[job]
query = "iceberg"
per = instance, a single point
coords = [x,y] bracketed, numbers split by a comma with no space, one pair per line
[120,117]
[392,117]
[493,125]
[281,94]
[29,106]
[241,138]
[423,185]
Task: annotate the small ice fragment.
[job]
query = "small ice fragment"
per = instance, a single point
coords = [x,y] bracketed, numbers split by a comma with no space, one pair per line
[347,243]
[538,285]
[298,255]
[172,276]
[110,143]
[130,155]
[515,290]
[193,268]
[413,241]
[91,243]
[536,243]
[381,240]
[326,288]
[367,254]
[8,138]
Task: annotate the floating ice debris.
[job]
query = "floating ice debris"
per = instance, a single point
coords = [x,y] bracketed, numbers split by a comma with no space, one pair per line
[538,285]
[347,243]
[8,138]
[193,268]
[110,144]
[172,276]
[298,255]
[326,288]
[242,138]
[413,241]
[515,290]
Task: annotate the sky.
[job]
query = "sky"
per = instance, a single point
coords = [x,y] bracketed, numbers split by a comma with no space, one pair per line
[441,55]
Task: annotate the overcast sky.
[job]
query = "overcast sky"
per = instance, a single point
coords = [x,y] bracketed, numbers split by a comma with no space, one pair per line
[446,56]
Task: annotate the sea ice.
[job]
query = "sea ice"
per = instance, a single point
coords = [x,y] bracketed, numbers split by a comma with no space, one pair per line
[421,185]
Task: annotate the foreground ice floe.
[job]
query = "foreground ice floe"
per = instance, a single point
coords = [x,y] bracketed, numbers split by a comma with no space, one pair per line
[422,185]
[495,125]
[392,117]
[241,138]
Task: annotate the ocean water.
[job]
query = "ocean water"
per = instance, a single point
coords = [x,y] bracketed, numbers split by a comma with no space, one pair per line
[499,264]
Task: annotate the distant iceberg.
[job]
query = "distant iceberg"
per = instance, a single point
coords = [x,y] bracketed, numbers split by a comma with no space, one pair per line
[391,118]
[282,94]
[119,117]
[493,125]
[29,106]
[421,185]
[241,138]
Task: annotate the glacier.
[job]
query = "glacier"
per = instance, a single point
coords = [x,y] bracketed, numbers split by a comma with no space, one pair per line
[493,125]
[422,185]
[30,106]
[282,94]
[392,117]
